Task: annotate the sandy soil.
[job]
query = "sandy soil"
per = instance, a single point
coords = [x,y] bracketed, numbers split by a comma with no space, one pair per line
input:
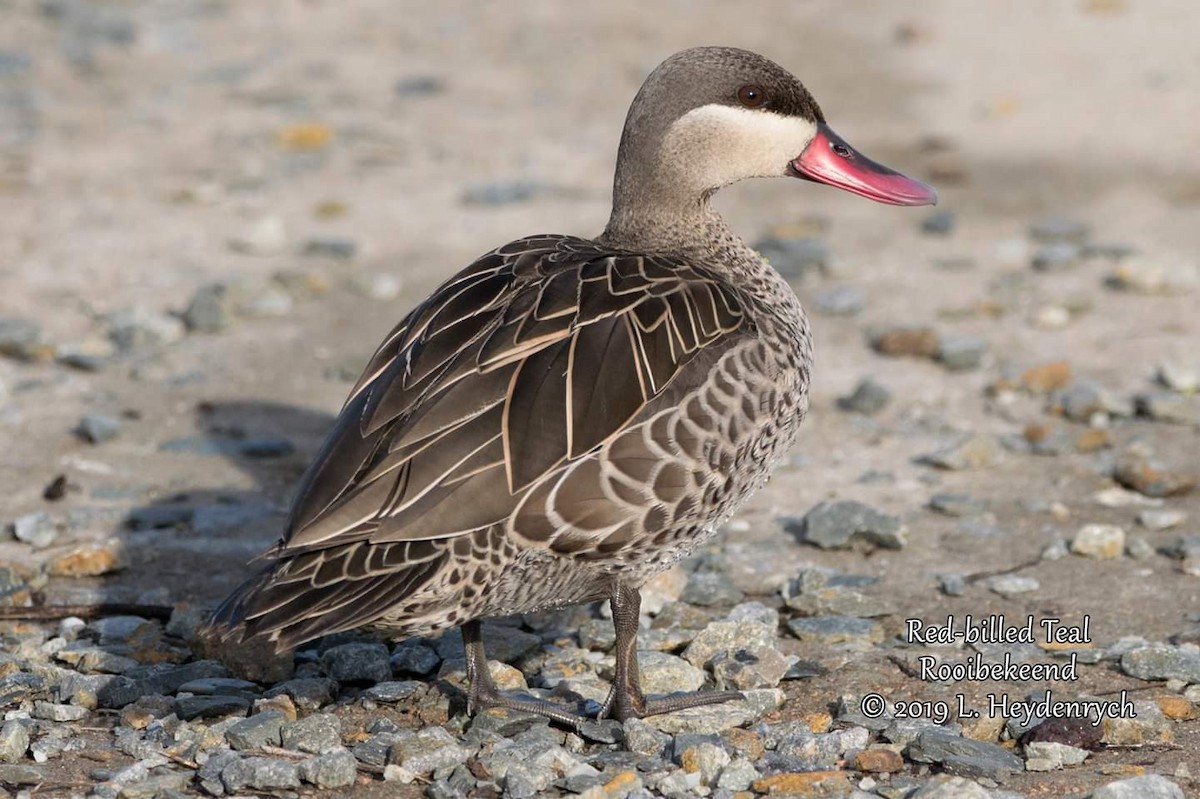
[128,167]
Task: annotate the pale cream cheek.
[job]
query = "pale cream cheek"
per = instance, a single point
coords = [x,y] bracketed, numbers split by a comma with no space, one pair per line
[715,145]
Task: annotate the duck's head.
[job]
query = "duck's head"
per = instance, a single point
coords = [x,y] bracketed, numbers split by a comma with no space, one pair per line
[711,116]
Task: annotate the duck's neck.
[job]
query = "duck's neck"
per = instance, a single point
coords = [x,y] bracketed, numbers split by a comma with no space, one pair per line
[692,229]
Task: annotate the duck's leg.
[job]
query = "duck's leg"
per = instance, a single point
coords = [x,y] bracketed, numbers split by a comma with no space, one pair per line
[626,700]
[483,692]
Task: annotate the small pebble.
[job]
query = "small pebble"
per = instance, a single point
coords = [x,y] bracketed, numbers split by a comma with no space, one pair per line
[919,342]
[868,397]
[37,529]
[842,524]
[797,258]
[1146,786]
[958,505]
[210,309]
[1056,257]
[1177,377]
[1169,406]
[1059,229]
[1009,585]
[1143,275]
[1158,520]
[1099,541]
[939,223]
[978,451]
[839,301]
[336,247]
[96,428]
[266,237]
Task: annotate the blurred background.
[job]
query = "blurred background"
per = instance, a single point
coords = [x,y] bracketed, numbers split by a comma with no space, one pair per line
[212,211]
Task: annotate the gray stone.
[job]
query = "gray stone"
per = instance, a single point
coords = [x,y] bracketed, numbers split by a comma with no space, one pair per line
[716,718]
[160,517]
[508,192]
[419,85]
[357,663]
[261,729]
[1056,257]
[709,589]
[643,739]
[836,630]
[391,692]
[210,309]
[504,643]
[978,451]
[1142,275]
[36,529]
[131,630]
[839,301]
[738,775]
[19,338]
[54,712]
[796,258]
[225,686]
[210,519]
[663,673]
[706,757]
[415,657]
[1008,585]
[598,635]
[727,636]
[1051,755]
[428,750]
[318,733]
[267,302]
[868,398]
[755,612]
[206,707]
[952,584]
[1158,520]
[17,774]
[14,741]
[168,679]
[845,523]
[813,593]
[309,693]
[1147,786]
[140,329]
[959,353]
[961,756]
[1059,229]
[946,786]
[1139,548]
[374,750]
[939,223]
[266,237]
[97,428]
[958,505]
[1163,662]
[336,768]
[1167,406]
[260,773]
[337,247]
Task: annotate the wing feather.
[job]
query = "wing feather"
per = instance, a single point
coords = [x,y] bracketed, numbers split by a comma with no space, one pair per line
[516,370]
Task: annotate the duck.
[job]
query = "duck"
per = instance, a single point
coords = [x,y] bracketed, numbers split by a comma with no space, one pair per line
[567,417]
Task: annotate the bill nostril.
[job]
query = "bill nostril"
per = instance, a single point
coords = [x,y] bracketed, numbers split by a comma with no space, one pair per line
[842,150]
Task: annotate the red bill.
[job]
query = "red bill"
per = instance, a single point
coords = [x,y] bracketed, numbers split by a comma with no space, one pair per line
[828,159]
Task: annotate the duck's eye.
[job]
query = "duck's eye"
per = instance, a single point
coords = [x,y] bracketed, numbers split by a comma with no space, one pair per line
[751,96]
[842,150]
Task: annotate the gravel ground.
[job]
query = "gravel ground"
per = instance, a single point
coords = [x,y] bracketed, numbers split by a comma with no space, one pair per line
[210,213]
